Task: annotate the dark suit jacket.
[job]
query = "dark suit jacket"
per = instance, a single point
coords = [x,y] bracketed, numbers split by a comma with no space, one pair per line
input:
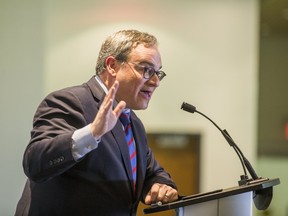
[98,184]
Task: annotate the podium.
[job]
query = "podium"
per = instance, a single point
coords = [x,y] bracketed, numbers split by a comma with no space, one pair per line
[234,201]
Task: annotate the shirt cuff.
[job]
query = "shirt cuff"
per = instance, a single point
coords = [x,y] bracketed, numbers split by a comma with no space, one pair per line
[83,142]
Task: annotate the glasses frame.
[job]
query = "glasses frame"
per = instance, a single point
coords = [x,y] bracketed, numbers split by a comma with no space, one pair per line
[148,71]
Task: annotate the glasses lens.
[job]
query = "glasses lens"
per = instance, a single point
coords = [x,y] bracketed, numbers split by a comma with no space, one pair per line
[148,72]
[160,75]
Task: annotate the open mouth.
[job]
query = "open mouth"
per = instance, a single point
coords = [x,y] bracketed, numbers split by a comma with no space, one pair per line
[147,94]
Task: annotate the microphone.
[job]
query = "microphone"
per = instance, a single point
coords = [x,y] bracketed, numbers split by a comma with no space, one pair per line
[244,161]
[262,197]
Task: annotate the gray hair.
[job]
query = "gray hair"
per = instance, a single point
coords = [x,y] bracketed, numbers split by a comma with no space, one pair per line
[120,45]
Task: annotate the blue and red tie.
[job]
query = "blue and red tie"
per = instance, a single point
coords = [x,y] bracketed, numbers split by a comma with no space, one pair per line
[125,119]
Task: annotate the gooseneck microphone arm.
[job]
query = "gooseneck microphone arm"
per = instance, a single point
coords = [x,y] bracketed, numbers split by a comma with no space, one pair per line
[244,161]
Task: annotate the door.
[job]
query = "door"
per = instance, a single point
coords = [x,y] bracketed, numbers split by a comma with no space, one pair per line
[179,154]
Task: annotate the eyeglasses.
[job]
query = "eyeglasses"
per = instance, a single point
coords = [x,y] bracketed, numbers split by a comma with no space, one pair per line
[148,72]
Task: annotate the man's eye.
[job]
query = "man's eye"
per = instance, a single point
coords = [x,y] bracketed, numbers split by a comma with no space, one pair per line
[149,70]
[146,69]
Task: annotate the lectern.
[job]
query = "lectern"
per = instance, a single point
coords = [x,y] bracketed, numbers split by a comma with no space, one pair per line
[234,201]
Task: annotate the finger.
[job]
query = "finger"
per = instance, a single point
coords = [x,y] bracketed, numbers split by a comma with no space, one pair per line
[119,108]
[164,195]
[171,195]
[167,194]
[162,190]
[110,96]
[148,199]
[154,192]
[111,93]
[113,90]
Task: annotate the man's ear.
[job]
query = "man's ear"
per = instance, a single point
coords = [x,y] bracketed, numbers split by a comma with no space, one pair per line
[111,65]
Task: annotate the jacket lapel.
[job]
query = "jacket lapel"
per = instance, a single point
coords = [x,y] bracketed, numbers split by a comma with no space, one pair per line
[118,135]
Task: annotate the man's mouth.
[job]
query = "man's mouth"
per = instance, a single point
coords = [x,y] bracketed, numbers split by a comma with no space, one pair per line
[146,93]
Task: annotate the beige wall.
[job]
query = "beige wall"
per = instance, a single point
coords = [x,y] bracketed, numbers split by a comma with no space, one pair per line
[209,51]
[21,88]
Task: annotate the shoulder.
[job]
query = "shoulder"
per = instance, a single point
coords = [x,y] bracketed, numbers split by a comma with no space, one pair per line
[75,100]
[73,97]
[86,91]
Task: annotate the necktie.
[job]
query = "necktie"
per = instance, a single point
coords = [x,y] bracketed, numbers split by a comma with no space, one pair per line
[125,119]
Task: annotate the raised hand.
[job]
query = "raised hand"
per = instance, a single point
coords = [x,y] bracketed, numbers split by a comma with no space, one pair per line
[106,117]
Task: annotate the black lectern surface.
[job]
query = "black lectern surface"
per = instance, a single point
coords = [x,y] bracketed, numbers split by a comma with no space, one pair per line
[256,186]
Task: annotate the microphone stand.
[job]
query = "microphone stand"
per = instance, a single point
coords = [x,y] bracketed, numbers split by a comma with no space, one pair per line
[261,198]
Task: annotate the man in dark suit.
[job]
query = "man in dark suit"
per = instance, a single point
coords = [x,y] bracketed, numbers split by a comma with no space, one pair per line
[77,161]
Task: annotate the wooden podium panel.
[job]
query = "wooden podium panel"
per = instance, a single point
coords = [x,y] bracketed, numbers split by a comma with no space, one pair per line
[179,155]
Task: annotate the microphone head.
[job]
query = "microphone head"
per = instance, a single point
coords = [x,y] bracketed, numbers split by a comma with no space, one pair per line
[188,107]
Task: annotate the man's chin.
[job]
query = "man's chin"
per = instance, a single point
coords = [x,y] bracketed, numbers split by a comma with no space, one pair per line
[143,106]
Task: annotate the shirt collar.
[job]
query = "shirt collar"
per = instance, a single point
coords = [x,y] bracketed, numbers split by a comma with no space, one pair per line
[98,79]
[105,89]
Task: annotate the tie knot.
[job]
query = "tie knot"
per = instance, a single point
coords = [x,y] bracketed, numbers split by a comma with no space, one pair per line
[125,118]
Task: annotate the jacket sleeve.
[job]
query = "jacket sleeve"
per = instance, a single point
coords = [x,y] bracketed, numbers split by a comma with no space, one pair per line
[48,153]
[155,174]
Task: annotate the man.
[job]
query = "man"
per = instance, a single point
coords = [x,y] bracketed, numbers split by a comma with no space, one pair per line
[78,161]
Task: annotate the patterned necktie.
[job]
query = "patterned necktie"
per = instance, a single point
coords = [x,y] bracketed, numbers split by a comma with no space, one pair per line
[125,119]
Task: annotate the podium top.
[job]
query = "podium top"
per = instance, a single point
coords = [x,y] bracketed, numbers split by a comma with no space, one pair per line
[256,185]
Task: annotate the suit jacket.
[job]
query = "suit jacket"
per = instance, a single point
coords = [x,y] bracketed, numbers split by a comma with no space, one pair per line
[98,184]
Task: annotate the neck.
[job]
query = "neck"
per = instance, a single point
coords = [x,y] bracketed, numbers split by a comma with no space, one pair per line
[107,80]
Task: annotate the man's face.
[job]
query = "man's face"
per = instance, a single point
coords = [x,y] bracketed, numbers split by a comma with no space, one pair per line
[134,89]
